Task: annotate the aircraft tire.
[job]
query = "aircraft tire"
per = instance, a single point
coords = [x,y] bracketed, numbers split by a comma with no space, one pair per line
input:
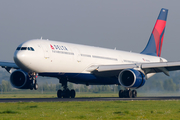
[72,93]
[31,86]
[121,93]
[35,86]
[66,93]
[129,94]
[59,93]
[134,93]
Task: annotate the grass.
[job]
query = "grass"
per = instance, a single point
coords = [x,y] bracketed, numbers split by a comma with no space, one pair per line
[99,110]
[91,110]
[8,112]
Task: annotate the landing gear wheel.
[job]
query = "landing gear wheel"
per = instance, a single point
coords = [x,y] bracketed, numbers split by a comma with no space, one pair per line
[129,93]
[31,86]
[35,86]
[66,93]
[59,93]
[121,93]
[134,93]
[72,93]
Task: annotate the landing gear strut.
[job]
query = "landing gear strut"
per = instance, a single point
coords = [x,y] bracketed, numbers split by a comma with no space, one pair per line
[65,93]
[127,93]
[33,83]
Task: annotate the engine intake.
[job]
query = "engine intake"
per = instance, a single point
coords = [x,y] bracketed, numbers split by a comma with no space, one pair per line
[131,78]
[20,79]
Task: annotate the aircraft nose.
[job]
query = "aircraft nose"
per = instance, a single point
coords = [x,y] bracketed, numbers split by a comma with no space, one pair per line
[21,59]
[18,56]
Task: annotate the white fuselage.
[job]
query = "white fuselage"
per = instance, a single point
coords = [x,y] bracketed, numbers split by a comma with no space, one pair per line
[60,57]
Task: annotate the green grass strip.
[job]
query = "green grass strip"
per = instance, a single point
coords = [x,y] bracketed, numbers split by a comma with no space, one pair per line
[92,110]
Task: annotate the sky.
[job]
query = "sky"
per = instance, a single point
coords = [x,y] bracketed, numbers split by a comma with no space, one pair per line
[124,24]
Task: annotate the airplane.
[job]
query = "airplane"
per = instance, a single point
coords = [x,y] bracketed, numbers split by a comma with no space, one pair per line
[89,65]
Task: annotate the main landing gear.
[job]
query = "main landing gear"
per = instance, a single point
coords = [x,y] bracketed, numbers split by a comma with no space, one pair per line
[128,93]
[65,93]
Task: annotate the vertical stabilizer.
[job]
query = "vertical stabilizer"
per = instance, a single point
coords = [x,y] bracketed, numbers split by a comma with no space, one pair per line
[155,42]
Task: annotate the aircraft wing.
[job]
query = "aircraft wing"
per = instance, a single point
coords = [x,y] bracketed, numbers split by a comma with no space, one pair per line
[8,65]
[164,67]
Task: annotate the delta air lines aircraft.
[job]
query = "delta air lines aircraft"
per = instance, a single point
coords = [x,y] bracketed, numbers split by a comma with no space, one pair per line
[81,64]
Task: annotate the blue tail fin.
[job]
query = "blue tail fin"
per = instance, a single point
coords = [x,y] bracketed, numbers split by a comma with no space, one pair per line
[155,42]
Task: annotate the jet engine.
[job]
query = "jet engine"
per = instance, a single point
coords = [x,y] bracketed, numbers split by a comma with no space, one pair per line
[131,78]
[20,79]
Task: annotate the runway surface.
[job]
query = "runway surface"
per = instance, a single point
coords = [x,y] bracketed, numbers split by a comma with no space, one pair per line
[86,99]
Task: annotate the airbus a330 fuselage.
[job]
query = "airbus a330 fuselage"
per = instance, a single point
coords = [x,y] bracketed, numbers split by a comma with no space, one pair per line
[59,59]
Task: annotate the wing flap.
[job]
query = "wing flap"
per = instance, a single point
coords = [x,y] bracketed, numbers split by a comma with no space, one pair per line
[103,68]
[110,70]
[170,66]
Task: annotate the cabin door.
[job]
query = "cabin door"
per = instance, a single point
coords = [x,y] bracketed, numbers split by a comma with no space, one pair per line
[46,51]
[77,55]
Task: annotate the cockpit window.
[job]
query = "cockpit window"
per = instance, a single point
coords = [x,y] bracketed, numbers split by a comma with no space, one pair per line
[25,48]
[18,48]
[32,49]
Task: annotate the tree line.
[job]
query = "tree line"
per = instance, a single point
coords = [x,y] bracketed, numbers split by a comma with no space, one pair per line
[158,85]
[158,82]
[6,87]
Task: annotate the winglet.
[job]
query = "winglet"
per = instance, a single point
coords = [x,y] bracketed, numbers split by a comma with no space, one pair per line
[154,45]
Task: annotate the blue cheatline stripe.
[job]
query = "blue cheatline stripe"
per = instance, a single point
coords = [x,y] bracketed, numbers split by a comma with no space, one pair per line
[83,78]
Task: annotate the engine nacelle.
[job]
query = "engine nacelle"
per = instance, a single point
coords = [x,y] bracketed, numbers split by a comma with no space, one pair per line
[131,78]
[20,79]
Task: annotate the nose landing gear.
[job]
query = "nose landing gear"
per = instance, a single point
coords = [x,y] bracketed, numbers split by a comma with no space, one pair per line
[33,84]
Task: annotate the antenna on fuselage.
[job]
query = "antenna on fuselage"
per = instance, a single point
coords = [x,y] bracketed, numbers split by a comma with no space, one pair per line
[41,37]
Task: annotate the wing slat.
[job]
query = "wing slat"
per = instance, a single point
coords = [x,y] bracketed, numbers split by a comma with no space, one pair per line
[8,65]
